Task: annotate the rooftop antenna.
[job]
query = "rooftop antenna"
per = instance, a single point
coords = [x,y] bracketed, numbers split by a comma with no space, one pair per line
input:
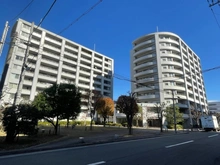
[157,29]
[4,34]
[94,47]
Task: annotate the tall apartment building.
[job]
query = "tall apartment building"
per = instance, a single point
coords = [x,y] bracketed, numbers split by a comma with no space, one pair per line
[51,58]
[165,69]
[214,106]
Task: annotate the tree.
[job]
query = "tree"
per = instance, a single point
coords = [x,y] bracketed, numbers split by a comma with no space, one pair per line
[138,116]
[169,114]
[128,106]
[159,110]
[58,102]
[22,118]
[92,97]
[196,116]
[105,107]
[70,100]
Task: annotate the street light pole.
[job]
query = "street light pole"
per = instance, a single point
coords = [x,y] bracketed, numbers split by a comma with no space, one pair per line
[174,112]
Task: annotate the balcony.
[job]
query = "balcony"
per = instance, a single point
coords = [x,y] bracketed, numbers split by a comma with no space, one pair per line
[53,41]
[173,71]
[68,60]
[52,48]
[175,56]
[178,88]
[147,80]
[47,77]
[27,82]
[83,85]
[145,72]
[37,34]
[26,92]
[169,40]
[85,79]
[144,50]
[68,67]
[182,105]
[153,96]
[172,63]
[144,65]
[30,74]
[143,43]
[49,70]
[47,61]
[145,88]
[68,75]
[170,48]
[71,48]
[145,57]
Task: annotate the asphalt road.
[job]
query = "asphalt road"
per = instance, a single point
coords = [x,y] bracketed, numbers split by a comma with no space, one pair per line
[198,148]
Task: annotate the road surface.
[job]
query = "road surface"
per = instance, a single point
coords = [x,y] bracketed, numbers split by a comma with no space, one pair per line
[198,148]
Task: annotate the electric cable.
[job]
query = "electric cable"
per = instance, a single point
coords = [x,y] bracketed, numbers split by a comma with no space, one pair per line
[78,18]
[22,10]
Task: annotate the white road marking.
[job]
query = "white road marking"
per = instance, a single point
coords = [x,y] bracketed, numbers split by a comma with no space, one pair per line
[102,162]
[178,144]
[212,136]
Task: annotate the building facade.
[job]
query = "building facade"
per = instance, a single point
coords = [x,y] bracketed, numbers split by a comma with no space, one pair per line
[214,106]
[164,69]
[48,58]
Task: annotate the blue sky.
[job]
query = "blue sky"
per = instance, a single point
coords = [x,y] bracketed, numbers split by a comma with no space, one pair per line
[114,24]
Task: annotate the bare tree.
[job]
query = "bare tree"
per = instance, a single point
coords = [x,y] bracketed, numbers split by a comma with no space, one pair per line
[159,110]
[92,97]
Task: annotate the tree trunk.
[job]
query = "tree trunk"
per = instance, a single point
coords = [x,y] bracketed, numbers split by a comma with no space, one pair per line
[129,120]
[161,125]
[136,122]
[92,118]
[104,121]
[56,126]
[68,122]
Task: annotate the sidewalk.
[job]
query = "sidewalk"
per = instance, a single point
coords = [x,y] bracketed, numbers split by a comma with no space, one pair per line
[96,136]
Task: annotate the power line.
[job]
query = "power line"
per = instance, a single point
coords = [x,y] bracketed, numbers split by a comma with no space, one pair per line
[210,5]
[22,10]
[77,19]
[142,84]
[46,13]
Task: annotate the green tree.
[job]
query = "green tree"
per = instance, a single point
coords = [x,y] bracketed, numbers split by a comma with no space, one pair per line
[169,114]
[70,101]
[128,105]
[22,118]
[58,102]
[105,107]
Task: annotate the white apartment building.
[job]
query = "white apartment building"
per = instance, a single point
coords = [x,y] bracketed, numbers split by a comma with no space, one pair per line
[51,58]
[214,106]
[164,69]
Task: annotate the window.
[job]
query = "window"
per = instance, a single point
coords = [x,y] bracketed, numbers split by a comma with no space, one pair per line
[22,50]
[14,75]
[24,34]
[12,85]
[26,26]
[19,58]
[16,66]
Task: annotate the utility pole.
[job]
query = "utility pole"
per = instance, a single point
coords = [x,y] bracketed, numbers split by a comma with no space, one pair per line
[2,42]
[214,3]
[174,111]
[23,67]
